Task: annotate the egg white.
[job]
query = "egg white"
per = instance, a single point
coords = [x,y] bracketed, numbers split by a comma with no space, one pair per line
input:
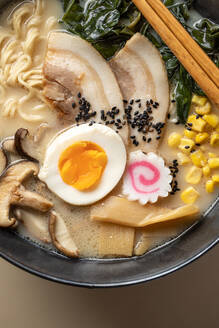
[103,136]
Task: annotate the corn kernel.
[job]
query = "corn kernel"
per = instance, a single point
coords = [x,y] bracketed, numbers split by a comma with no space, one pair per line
[174,139]
[198,158]
[206,170]
[214,139]
[217,129]
[211,119]
[203,109]
[186,145]
[189,195]
[212,155]
[189,134]
[198,124]
[198,100]
[213,163]
[183,159]
[209,186]
[201,137]
[215,178]
[203,148]
[194,175]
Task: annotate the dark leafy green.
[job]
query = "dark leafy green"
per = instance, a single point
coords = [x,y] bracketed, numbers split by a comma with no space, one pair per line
[183,93]
[108,24]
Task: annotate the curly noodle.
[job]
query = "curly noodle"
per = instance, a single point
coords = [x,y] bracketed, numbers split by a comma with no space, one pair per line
[19,67]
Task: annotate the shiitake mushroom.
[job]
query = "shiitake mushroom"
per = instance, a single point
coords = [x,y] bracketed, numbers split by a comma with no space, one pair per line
[19,138]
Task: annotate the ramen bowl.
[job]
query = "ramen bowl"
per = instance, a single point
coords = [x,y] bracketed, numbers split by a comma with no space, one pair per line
[162,260]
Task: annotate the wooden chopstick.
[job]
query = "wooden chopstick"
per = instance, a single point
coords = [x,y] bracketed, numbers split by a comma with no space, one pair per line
[184,37]
[188,61]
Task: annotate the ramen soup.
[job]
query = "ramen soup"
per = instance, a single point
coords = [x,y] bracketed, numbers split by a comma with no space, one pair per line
[94,161]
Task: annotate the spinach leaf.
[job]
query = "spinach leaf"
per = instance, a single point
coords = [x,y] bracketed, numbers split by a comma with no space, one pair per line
[182,93]
[108,24]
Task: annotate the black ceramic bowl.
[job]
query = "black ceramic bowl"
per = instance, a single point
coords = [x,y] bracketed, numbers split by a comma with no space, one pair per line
[117,272]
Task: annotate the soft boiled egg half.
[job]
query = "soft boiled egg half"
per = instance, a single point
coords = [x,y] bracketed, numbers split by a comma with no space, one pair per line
[84,163]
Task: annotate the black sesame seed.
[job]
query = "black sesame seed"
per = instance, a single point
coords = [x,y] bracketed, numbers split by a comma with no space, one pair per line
[168,116]
[133,137]
[187,147]
[131,102]
[137,100]
[79,95]
[189,124]
[149,140]
[144,138]
[125,101]
[73,105]
[151,102]
[198,144]
[158,137]
[173,100]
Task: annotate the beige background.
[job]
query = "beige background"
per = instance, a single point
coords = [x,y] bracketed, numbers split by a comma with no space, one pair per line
[187,298]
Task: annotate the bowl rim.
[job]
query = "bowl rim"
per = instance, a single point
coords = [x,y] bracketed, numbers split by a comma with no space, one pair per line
[171,269]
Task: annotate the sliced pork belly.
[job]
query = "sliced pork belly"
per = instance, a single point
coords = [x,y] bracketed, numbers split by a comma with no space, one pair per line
[142,77]
[78,79]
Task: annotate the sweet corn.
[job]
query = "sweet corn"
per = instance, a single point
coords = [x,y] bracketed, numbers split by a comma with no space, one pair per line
[189,195]
[212,155]
[198,100]
[183,159]
[198,158]
[215,178]
[203,148]
[209,186]
[206,170]
[203,109]
[197,124]
[189,134]
[174,139]
[194,175]
[211,119]
[201,137]
[214,139]
[186,145]
[213,163]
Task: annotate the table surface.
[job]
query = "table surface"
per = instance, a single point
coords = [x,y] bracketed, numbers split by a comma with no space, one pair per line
[186,298]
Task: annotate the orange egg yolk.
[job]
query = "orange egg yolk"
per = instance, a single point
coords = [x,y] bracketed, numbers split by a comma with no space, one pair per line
[82,164]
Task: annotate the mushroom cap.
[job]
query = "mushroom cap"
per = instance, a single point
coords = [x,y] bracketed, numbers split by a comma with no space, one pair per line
[61,237]
[10,181]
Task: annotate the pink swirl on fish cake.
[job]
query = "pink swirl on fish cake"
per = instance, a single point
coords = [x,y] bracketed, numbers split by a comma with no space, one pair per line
[142,179]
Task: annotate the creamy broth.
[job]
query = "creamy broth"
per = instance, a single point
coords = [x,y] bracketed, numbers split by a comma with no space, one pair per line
[93,239]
